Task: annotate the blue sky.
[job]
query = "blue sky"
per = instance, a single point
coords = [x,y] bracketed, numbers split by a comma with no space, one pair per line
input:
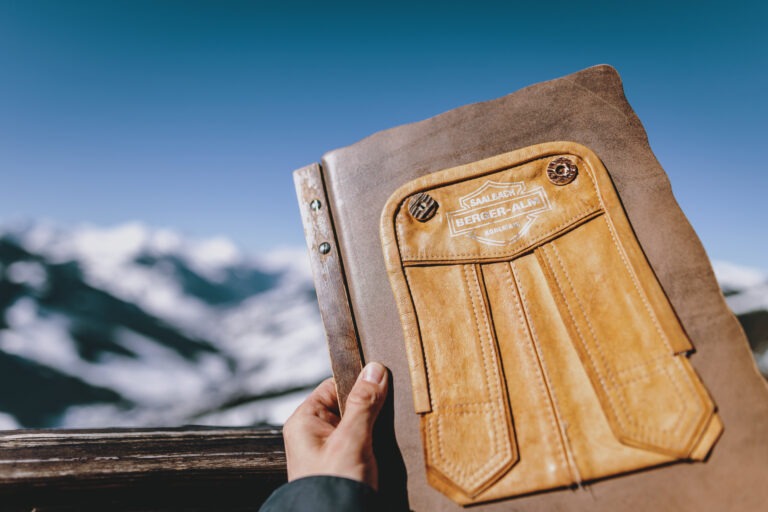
[192,114]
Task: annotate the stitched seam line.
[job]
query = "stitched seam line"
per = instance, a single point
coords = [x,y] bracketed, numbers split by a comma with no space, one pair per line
[565,447]
[432,184]
[637,286]
[655,369]
[468,412]
[674,376]
[540,381]
[490,353]
[471,298]
[409,257]
[591,357]
[653,361]
[413,340]
[488,381]
[645,433]
[464,405]
[597,344]
[675,428]
[467,478]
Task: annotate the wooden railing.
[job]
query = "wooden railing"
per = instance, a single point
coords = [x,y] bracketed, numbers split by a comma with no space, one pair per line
[194,468]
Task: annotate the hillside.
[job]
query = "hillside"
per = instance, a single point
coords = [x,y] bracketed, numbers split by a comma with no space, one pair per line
[132,326]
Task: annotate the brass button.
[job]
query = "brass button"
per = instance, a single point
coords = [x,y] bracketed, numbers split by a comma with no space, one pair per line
[561,171]
[422,207]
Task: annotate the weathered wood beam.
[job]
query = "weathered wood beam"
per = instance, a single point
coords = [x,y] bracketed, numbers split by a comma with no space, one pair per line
[330,285]
[196,468]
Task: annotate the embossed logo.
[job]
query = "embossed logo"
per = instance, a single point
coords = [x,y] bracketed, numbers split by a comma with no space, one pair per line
[498,213]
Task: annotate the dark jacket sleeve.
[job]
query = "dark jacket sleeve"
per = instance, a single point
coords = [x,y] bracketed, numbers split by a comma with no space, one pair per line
[321,494]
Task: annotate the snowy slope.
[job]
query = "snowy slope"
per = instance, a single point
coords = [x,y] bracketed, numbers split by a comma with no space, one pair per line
[746,292]
[134,326]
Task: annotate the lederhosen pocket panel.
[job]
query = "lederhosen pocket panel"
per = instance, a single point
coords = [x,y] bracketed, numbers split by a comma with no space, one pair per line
[485,261]
[468,432]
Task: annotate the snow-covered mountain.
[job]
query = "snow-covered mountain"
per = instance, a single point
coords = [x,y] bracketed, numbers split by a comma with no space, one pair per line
[132,326]
[746,292]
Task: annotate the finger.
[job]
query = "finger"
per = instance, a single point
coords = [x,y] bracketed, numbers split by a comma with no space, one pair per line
[323,398]
[315,418]
[321,403]
[325,395]
[363,405]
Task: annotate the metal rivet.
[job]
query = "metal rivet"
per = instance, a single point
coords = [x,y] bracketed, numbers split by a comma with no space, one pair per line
[422,207]
[562,171]
[315,204]
[324,248]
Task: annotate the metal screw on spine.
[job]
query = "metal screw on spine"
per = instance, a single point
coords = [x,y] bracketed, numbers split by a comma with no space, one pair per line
[422,207]
[324,248]
[315,205]
[562,171]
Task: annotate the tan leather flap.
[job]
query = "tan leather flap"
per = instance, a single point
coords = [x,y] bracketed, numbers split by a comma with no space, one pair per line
[533,250]
[531,208]
[508,210]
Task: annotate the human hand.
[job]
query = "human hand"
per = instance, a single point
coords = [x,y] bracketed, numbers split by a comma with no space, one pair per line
[318,442]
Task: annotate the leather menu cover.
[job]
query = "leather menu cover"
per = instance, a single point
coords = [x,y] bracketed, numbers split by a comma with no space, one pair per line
[542,350]
[352,186]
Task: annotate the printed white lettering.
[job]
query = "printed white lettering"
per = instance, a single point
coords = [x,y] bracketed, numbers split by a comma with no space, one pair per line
[477,201]
[490,215]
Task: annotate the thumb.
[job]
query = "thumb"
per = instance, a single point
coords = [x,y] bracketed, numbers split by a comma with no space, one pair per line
[364,403]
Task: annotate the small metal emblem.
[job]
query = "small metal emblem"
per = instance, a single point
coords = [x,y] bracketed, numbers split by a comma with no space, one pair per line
[561,171]
[422,207]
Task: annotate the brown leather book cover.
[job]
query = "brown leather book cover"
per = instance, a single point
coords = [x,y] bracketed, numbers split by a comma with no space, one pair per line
[342,199]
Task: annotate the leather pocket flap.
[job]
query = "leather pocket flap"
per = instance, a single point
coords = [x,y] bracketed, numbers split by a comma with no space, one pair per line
[468,434]
[542,349]
[493,217]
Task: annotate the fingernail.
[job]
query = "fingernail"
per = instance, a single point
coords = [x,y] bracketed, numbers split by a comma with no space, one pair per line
[374,372]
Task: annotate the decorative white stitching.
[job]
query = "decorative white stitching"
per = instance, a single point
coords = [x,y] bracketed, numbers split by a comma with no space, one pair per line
[643,433]
[408,258]
[488,380]
[568,458]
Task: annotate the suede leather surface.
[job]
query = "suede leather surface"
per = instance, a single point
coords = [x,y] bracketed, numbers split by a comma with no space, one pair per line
[589,108]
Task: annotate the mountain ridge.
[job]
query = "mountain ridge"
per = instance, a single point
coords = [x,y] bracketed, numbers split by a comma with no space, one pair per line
[173,328]
[135,326]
